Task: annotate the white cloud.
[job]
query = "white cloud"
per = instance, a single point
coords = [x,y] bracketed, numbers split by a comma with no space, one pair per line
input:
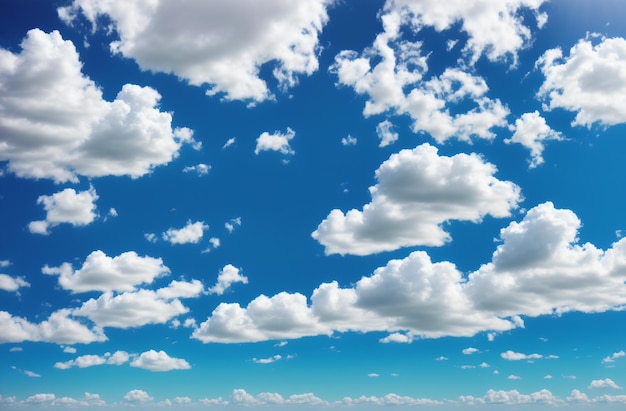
[531,131]
[514,377]
[59,126]
[69,350]
[31,374]
[153,238]
[470,350]
[200,169]
[268,360]
[181,289]
[591,81]
[222,43]
[159,361]
[390,399]
[613,357]
[606,383]
[138,396]
[484,365]
[397,338]
[230,225]
[349,141]
[67,206]
[441,358]
[117,358]
[191,233]
[512,397]
[4,263]
[215,242]
[517,356]
[229,142]
[547,377]
[130,309]
[9,283]
[228,276]
[100,272]
[386,134]
[242,398]
[90,360]
[417,191]
[16,349]
[59,328]
[275,142]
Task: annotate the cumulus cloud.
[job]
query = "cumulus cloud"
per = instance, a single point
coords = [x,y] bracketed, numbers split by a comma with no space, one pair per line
[201,169]
[190,234]
[67,206]
[240,397]
[60,127]
[90,360]
[531,131]
[137,396]
[611,358]
[591,81]
[470,350]
[605,383]
[386,134]
[227,276]
[349,141]
[100,272]
[59,328]
[275,142]
[512,397]
[159,361]
[222,44]
[517,356]
[537,269]
[9,283]
[390,399]
[417,191]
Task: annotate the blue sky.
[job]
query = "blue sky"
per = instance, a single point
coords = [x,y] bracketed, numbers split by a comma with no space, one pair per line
[325,204]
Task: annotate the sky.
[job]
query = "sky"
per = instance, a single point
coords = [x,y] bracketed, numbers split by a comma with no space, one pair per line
[321,204]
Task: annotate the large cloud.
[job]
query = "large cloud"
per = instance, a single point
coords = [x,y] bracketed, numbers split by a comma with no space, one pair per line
[67,206]
[538,269]
[100,272]
[417,191]
[591,81]
[54,123]
[222,43]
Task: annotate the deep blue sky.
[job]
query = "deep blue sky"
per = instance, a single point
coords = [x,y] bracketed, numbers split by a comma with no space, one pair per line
[326,203]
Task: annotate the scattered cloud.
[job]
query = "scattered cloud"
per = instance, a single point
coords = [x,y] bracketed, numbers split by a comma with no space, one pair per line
[349,141]
[512,397]
[8,283]
[229,142]
[517,356]
[16,349]
[611,358]
[67,206]
[31,374]
[90,360]
[200,169]
[590,81]
[234,222]
[531,131]
[221,44]
[228,276]
[514,377]
[159,361]
[417,191]
[275,142]
[137,396]
[68,129]
[606,383]
[385,133]
[470,350]
[100,272]
[397,338]
[268,360]
[190,234]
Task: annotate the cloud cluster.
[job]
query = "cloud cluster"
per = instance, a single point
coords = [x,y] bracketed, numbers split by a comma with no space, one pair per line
[591,81]
[538,269]
[55,123]
[222,44]
[417,191]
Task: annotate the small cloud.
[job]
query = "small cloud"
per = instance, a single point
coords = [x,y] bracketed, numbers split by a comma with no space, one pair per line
[606,383]
[517,356]
[386,134]
[200,169]
[229,142]
[491,336]
[227,276]
[4,263]
[275,142]
[151,237]
[69,350]
[547,377]
[159,361]
[569,377]
[234,222]
[397,338]
[138,396]
[349,141]
[16,349]
[8,283]
[442,358]
[267,360]
[190,234]
[484,365]
[31,374]
[470,350]
[280,344]
[373,375]
[514,377]
[611,359]
[467,367]
[66,207]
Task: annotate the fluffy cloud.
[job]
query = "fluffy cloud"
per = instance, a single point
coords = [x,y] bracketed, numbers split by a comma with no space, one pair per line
[181,289]
[159,361]
[417,191]
[386,134]
[9,283]
[512,397]
[84,361]
[531,131]
[349,141]
[268,360]
[131,309]
[606,383]
[275,142]
[242,398]
[392,72]
[227,276]
[201,169]
[613,357]
[470,350]
[137,396]
[222,43]
[103,273]
[55,124]
[388,400]
[517,356]
[538,269]
[591,81]
[59,328]
[191,233]
[66,206]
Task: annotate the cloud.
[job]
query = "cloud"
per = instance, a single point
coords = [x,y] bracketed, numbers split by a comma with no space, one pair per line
[200,169]
[591,81]
[84,361]
[537,269]
[397,338]
[190,234]
[67,206]
[229,142]
[275,142]
[31,374]
[9,283]
[390,399]
[59,127]
[227,276]
[222,44]
[606,383]
[100,272]
[268,360]
[517,356]
[138,396]
[531,131]
[512,397]
[230,225]
[470,350]
[181,289]
[613,357]
[417,191]
[240,397]
[514,377]
[386,134]
[159,361]
[59,328]
[349,141]
[131,309]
